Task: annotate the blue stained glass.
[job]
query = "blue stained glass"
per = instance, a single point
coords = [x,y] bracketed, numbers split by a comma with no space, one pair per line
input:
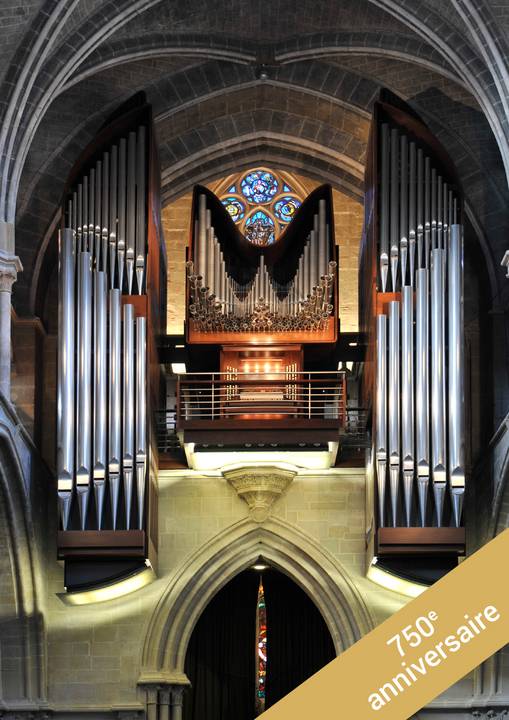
[234,208]
[286,208]
[287,188]
[260,229]
[259,187]
[233,189]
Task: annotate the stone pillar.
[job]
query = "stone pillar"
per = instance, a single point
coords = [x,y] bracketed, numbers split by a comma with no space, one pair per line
[177,698]
[10,265]
[151,702]
[164,704]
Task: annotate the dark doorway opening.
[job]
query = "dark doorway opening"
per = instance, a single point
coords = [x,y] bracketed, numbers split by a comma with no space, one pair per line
[221,656]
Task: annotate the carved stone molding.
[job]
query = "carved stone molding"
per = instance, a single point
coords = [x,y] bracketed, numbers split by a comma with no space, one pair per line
[260,487]
[10,266]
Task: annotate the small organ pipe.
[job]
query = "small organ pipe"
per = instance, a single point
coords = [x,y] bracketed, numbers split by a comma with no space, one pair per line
[105,210]
[131,211]
[384,213]
[80,218]
[394,414]
[407,397]
[128,409]
[427,211]
[121,232]
[100,385]
[91,211]
[422,390]
[322,239]
[202,235]
[84,243]
[439,211]
[438,382]
[394,253]
[420,208]
[313,265]
[84,390]
[113,226]
[381,414]
[140,208]
[456,374]
[433,208]
[412,210]
[403,207]
[98,199]
[66,375]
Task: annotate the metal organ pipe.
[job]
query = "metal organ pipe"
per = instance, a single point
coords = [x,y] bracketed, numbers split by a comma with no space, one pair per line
[84,395]
[202,235]
[65,402]
[121,233]
[98,199]
[438,381]
[420,208]
[412,209]
[115,408]
[403,207]
[322,238]
[140,208]
[91,209]
[113,214]
[381,414]
[407,397]
[394,253]
[141,415]
[131,210]
[427,211]
[384,218]
[456,368]
[422,390]
[128,409]
[105,210]
[394,415]
[100,385]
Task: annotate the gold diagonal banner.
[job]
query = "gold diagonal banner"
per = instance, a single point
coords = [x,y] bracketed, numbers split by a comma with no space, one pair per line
[419,652]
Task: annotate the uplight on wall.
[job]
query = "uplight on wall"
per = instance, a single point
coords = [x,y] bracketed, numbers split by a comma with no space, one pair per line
[111,591]
[178,368]
[392,582]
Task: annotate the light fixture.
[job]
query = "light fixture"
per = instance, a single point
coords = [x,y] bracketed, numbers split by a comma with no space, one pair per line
[353,344]
[260,565]
[111,591]
[179,347]
[392,582]
[178,368]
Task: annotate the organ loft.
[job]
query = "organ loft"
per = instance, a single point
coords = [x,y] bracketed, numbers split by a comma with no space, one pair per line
[253,345]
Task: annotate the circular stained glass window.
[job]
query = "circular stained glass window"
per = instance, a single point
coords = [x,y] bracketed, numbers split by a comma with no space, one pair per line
[234,208]
[286,208]
[259,187]
[260,229]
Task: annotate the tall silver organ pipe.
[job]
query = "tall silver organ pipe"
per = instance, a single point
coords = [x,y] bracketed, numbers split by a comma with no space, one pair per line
[102,360]
[422,390]
[456,369]
[115,408]
[100,392]
[438,397]
[84,389]
[384,211]
[128,409]
[66,378]
[394,409]
[381,414]
[407,397]
[141,415]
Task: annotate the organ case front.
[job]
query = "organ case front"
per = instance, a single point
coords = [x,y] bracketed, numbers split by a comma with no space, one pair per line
[111,308]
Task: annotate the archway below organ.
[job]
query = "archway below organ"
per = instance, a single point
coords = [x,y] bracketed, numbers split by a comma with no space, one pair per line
[222,656]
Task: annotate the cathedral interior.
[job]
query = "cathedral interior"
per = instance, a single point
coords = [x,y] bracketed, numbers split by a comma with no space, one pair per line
[254,342]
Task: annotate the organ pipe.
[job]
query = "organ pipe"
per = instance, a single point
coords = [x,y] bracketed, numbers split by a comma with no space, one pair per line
[403,207]
[394,229]
[407,397]
[66,377]
[102,361]
[394,411]
[456,369]
[381,414]
[422,390]
[438,382]
[384,221]
[412,210]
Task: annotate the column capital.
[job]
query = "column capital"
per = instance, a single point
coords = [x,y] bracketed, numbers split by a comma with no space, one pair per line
[10,266]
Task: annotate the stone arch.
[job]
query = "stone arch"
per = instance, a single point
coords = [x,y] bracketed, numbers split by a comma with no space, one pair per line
[289,550]
[22,679]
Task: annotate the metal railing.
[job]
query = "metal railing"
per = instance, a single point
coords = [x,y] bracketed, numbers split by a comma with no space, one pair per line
[243,397]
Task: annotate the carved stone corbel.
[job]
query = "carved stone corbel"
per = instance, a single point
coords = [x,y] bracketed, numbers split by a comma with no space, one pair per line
[259,487]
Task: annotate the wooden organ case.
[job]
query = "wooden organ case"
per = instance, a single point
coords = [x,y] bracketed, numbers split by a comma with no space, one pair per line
[112,305]
[411,310]
[263,306]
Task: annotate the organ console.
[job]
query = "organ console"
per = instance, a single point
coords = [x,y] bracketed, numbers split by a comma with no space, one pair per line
[110,310]
[412,310]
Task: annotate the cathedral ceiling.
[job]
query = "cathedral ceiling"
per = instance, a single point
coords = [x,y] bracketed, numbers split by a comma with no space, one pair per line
[274,82]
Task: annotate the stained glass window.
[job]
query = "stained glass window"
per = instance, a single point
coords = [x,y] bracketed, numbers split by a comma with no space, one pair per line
[234,207]
[262,202]
[286,208]
[261,649]
[259,186]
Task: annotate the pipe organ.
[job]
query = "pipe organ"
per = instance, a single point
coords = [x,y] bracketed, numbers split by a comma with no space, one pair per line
[238,287]
[110,260]
[412,310]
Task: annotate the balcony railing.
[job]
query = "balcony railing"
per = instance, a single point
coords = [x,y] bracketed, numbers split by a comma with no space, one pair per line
[296,399]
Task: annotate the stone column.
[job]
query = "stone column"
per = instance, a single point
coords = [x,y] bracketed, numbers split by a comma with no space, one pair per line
[164,704]
[151,702]
[177,698]
[10,265]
